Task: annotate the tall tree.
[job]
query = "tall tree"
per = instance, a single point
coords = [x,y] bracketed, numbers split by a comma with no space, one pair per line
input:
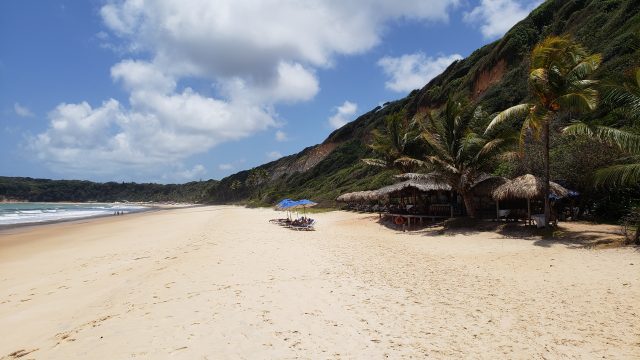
[458,153]
[256,178]
[623,99]
[559,83]
[395,145]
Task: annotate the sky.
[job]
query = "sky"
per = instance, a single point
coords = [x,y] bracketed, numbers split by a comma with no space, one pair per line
[174,91]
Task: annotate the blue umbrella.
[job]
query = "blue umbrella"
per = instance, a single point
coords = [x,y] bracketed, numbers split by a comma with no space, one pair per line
[305,203]
[286,204]
[571,193]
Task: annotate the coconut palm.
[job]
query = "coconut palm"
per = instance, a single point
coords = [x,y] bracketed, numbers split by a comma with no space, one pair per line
[559,83]
[625,100]
[624,174]
[395,144]
[625,97]
[458,154]
[256,178]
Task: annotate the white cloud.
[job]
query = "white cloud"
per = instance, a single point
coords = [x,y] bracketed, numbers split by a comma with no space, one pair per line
[291,83]
[281,136]
[162,125]
[22,111]
[496,17]
[413,71]
[344,114]
[101,35]
[255,62]
[274,155]
[226,167]
[235,38]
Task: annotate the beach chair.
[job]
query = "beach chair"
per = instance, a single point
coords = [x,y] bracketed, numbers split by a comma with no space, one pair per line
[304,227]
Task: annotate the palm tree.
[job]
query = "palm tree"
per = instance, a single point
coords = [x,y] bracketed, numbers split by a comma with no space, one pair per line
[394,146]
[625,97]
[626,174]
[559,82]
[625,100]
[256,178]
[235,186]
[458,154]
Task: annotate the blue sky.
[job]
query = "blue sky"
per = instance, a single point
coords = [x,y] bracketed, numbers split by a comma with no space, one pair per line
[173,91]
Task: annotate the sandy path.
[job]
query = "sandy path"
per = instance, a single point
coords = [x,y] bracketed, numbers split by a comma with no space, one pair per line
[221,282]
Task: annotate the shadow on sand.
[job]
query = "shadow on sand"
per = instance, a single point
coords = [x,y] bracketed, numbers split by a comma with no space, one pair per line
[574,235]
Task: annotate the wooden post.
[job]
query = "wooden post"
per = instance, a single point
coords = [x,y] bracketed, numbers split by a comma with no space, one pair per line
[529,211]
[497,210]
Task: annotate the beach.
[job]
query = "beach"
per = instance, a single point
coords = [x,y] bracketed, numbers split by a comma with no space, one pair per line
[221,282]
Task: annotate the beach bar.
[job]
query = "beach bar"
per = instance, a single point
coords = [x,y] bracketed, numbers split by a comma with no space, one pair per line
[526,187]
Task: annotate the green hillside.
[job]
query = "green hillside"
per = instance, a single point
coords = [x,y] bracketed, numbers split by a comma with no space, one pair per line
[493,77]
[45,190]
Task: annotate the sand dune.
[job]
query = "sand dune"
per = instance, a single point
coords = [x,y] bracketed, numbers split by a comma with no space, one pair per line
[222,282]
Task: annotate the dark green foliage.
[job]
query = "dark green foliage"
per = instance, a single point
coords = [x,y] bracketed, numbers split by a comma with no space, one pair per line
[44,190]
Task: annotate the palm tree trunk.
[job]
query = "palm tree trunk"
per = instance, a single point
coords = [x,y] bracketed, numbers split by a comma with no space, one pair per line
[547,202]
[467,197]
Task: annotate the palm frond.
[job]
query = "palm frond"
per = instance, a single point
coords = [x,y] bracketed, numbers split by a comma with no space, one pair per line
[626,96]
[375,162]
[515,112]
[624,140]
[618,175]
[584,68]
[406,161]
[584,101]
[443,166]
[436,145]
[494,146]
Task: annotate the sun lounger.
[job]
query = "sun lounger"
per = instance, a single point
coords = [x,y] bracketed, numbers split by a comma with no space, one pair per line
[306,226]
[281,222]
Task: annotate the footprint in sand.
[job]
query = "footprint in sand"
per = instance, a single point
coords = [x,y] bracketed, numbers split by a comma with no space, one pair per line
[18,354]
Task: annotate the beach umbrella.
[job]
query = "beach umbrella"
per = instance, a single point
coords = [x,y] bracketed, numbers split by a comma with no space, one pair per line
[304,204]
[285,204]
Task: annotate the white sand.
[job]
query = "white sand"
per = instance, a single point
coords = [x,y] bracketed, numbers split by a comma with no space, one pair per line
[222,282]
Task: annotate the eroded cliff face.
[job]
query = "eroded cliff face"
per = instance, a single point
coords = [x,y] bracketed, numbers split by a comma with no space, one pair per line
[303,162]
[488,77]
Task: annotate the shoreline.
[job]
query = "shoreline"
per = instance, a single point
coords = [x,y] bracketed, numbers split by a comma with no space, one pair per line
[148,208]
[221,281]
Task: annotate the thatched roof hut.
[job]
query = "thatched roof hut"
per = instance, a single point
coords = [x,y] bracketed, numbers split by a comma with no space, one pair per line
[527,187]
[358,196]
[424,184]
[420,185]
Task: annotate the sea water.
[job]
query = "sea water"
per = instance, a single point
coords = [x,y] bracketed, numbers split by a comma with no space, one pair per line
[31,213]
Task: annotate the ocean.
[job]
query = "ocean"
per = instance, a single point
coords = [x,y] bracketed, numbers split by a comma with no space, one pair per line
[33,213]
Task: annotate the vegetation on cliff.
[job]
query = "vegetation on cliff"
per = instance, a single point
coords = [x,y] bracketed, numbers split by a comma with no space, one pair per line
[494,77]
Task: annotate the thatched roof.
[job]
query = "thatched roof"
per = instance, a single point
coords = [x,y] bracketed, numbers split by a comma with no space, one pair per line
[416,176]
[527,187]
[421,185]
[357,196]
[486,184]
